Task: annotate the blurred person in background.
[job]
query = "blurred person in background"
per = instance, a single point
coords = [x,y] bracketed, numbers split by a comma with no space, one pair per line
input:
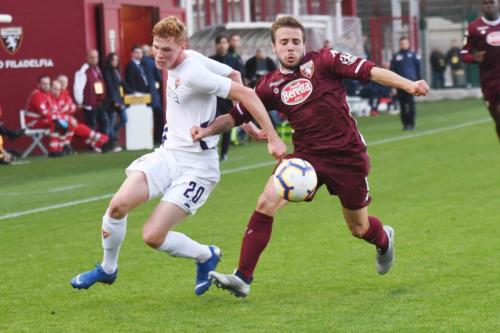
[67,111]
[366,47]
[238,135]
[5,156]
[234,51]
[155,80]
[89,91]
[376,92]
[406,63]
[224,105]
[135,74]
[115,88]
[483,47]
[456,64]
[257,66]
[438,66]
[42,112]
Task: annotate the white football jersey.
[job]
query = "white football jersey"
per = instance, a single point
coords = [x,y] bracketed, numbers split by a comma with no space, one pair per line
[192,88]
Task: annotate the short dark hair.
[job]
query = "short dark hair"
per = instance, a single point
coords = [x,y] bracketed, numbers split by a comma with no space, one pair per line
[287,22]
[220,37]
[43,77]
[404,38]
[135,47]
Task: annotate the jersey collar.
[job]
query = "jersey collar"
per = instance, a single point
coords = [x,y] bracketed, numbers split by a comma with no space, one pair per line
[285,71]
[496,22]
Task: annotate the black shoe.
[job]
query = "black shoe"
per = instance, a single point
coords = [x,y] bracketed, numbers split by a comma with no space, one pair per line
[68,150]
[108,146]
[15,134]
[56,154]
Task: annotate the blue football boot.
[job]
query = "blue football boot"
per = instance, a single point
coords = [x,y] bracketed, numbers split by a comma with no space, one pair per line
[87,279]
[202,270]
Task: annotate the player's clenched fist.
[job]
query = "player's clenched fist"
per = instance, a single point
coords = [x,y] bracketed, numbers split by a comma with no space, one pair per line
[419,88]
[277,148]
[198,133]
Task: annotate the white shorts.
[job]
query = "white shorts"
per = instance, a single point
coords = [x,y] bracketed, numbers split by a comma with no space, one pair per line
[185,179]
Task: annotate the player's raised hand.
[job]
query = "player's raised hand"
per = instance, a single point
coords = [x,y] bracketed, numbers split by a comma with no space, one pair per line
[198,133]
[419,88]
[254,132]
[277,148]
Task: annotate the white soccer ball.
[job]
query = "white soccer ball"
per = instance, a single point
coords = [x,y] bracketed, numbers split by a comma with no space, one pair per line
[295,179]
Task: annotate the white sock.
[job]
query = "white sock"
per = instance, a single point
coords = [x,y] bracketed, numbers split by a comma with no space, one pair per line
[113,233]
[179,245]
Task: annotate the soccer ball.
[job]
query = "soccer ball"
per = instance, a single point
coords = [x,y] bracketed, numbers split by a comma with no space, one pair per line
[295,179]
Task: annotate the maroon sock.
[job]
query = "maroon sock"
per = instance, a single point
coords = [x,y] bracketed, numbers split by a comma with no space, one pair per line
[257,235]
[376,234]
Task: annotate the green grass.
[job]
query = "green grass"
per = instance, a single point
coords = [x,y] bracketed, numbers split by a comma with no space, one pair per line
[440,191]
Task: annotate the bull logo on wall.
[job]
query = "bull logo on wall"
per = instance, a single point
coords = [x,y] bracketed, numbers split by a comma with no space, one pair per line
[11,38]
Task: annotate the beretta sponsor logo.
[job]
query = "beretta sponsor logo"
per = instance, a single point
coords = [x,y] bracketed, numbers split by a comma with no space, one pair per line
[493,38]
[296,91]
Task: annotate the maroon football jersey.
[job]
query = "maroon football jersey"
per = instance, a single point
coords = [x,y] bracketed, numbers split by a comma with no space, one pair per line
[484,35]
[313,99]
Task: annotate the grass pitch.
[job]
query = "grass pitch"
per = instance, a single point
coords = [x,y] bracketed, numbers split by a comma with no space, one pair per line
[438,186]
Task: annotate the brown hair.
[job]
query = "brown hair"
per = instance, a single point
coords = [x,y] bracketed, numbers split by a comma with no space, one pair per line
[170,26]
[287,22]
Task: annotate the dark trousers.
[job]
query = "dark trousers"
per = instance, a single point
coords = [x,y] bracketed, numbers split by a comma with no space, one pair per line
[225,143]
[159,123]
[437,80]
[100,115]
[114,125]
[407,104]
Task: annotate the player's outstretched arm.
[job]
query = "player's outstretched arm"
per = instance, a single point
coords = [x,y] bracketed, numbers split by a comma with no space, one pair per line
[220,125]
[254,105]
[391,79]
[223,124]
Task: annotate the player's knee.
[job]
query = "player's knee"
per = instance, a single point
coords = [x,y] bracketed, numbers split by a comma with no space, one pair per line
[151,238]
[118,208]
[266,205]
[357,229]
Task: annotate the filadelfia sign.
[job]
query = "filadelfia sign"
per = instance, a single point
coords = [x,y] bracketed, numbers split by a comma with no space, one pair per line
[11,39]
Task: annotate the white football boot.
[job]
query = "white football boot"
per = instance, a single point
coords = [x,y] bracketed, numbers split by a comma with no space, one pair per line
[231,283]
[385,261]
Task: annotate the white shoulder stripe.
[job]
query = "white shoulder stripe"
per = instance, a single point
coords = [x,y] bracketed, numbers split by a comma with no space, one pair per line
[359,66]
[239,108]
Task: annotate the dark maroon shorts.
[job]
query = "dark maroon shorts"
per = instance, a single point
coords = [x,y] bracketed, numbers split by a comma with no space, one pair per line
[492,104]
[344,174]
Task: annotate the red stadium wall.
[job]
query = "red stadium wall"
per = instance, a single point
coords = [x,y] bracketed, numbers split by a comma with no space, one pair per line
[56,35]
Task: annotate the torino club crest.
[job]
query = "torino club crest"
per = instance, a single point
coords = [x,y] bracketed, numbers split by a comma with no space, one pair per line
[307,69]
[11,38]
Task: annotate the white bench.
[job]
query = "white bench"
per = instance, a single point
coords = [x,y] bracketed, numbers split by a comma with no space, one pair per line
[36,136]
